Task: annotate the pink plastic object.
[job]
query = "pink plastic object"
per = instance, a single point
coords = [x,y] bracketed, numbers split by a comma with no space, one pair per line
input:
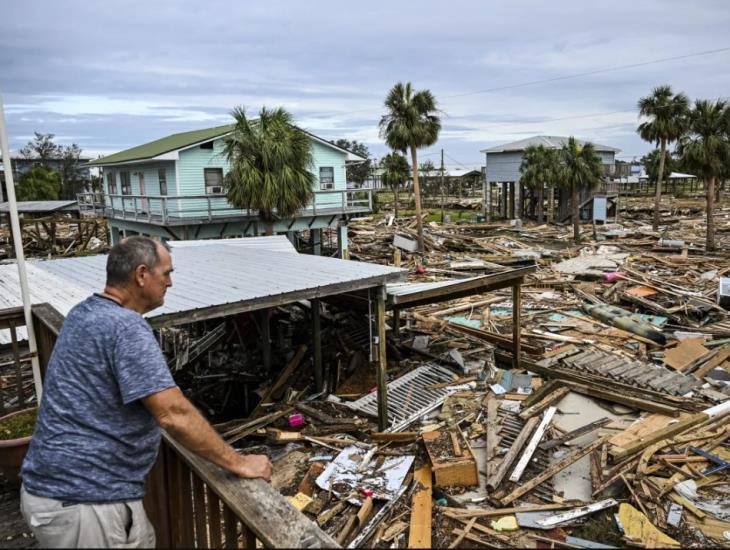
[296,420]
[612,276]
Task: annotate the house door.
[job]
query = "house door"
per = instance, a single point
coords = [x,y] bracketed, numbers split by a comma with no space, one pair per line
[145,207]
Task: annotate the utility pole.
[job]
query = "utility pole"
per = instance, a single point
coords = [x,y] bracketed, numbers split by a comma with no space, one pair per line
[442,186]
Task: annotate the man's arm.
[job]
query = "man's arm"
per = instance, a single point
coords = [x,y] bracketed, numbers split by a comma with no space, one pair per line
[179,417]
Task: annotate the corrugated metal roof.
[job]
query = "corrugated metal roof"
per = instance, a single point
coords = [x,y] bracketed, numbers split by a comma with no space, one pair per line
[404,289]
[277,243]
[551,142]
[206,275]
[41,206]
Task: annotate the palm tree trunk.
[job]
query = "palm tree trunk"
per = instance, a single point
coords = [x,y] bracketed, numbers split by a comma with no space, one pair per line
[574,198]
[417,197]
[551,204]
[540,192]
[660,175]
[710,242]
[395,200]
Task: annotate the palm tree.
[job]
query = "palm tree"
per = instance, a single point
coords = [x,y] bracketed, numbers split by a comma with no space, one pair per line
[411,122]
[667,120]
[271,162]
[395,174]
[706,150]
[536,171]
[582,170]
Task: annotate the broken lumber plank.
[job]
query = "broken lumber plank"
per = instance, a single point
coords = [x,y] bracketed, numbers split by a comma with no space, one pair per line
[618,453]
[547,445]
[483,529]
[476,512]
[457,541]
[419,535]
[473,538]
[554,469]
[499,340]
[511,455]
[634,402]
[532,445]
[233,435]
[717,359]
[544,403]
[492,406]
[394,437]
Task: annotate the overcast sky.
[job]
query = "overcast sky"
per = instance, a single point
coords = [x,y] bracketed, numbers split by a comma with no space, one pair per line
[114,74]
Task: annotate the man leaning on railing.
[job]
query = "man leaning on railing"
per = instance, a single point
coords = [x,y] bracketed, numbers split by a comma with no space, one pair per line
[107,393]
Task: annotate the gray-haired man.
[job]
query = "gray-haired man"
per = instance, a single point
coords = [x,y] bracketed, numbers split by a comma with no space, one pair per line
[107,392]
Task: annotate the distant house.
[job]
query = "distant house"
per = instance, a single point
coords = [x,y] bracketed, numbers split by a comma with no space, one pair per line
[173,188]
[503,169]
[21,164]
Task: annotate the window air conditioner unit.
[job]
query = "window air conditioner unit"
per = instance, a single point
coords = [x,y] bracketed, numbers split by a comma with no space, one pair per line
[216,190]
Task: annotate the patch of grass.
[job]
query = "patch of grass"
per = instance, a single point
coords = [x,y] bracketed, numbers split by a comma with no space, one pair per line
[20,425]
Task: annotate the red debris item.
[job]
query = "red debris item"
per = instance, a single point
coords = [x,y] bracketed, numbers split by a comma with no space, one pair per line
[366,492]
[373,389]
[296,420]
[420,269]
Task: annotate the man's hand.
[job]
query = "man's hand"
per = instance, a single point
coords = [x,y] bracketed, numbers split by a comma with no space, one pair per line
[174,413]
[252,466]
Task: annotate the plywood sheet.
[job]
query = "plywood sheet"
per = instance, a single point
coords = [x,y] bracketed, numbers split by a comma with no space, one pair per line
[685,353]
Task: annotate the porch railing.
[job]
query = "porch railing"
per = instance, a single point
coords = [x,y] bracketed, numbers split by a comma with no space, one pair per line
[17,389]
[191,502]
[166,209]
[194,504]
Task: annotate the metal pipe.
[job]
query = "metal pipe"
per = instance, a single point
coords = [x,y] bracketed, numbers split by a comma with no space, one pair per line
[19,256]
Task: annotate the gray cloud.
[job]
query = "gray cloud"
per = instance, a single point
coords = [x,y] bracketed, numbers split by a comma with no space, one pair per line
[117,73]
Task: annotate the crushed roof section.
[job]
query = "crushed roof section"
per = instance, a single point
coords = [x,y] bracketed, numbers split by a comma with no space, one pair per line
[41,206]
[551,142]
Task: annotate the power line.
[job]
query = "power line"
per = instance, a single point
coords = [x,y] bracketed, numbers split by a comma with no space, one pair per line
[559,78]
[588,73]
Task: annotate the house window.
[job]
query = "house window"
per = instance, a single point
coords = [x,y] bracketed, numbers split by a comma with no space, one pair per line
[162,177]
[213,181]
[126,185]
[111,183]
[326,177]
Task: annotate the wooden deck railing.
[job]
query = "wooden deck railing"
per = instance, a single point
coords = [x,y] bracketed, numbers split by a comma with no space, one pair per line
[194,504]
[164,209]
[17,391]
[191,502]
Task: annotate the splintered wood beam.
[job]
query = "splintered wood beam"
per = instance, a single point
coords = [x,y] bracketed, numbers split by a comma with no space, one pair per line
[382,363]
[547,474]
[544,403]
[532,445]
[511,455]
[419,535]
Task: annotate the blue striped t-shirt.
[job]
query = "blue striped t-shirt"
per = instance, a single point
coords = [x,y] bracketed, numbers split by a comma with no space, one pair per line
[94,440]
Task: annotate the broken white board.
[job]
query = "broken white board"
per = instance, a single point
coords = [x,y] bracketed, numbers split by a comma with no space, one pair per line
[350,473]
[404,243]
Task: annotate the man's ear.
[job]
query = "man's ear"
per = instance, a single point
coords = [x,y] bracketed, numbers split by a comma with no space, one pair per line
[140,273]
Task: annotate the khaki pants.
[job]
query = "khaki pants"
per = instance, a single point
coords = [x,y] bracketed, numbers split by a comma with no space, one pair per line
[114,525]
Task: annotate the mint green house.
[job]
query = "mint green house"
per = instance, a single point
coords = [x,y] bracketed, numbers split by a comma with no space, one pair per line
[172,188]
